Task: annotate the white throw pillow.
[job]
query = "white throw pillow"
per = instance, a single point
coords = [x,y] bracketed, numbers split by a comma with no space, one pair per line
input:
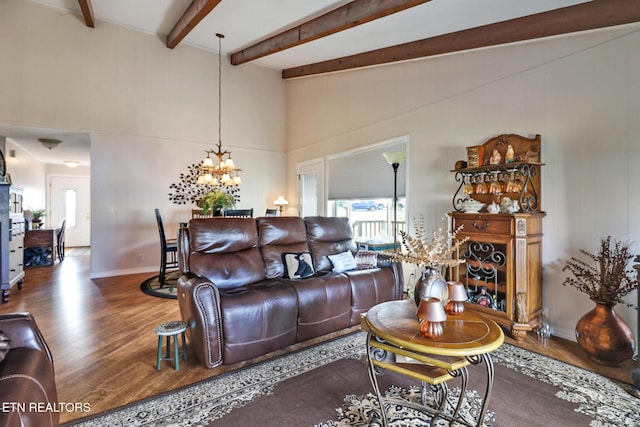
[343,261]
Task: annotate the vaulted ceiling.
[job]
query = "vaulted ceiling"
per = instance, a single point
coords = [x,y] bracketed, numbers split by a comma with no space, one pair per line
[317,36]
[308,37]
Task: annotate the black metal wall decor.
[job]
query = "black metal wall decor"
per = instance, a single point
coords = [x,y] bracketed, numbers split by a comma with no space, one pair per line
[187,190]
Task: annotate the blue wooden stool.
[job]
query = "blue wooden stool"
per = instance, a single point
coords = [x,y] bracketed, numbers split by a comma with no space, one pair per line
[172,329]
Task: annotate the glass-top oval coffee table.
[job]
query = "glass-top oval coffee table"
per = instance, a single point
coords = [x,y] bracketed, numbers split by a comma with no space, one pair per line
[394,342]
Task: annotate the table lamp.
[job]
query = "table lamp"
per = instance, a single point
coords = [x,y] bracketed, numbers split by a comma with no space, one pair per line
[280,202]
[431,315]
[457,297]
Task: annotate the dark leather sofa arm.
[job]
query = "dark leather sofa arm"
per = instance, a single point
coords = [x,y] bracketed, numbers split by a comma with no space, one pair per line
[199,301]
[26,375]
[21,328]
[396,267]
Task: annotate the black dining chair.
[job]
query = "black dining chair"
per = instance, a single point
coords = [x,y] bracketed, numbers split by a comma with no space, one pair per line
[168,251]
[271,212]
[60,240]
[244,213]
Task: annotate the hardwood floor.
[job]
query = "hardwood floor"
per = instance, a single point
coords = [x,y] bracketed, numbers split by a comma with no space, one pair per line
[101,333]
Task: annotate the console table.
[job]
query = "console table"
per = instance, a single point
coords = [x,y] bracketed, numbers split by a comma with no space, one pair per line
[40,246]
[394,342]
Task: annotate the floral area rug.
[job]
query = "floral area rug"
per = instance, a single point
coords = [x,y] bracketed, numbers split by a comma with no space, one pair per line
[364,411]
[337,393]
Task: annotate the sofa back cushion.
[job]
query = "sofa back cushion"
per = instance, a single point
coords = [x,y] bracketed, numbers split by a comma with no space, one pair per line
[328,236]
[225,251]
[277,236]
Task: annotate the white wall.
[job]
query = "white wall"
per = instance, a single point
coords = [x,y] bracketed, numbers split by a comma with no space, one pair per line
[151,111]
[580,92]
[28,173]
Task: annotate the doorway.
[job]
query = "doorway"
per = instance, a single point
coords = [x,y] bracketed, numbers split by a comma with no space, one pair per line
[311,188]
[70,200]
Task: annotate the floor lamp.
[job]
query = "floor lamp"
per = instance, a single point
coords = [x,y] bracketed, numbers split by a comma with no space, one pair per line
[394,158]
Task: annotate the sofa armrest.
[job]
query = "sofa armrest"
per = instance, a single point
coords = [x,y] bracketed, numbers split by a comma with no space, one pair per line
[199,301]
[26,374]
[183,249]
[398,276]
[23,331]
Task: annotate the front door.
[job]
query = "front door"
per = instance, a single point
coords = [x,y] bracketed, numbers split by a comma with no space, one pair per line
[70,199]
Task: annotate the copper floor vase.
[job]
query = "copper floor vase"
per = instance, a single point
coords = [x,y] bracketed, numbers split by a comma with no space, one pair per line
[604,336]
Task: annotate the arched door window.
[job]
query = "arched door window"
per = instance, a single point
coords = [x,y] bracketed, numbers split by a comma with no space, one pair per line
[70,207]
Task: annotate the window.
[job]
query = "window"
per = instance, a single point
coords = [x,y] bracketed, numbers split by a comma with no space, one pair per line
[70,207]
[361,187]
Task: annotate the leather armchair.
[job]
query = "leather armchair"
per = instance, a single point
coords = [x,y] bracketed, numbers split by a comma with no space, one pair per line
[27,379]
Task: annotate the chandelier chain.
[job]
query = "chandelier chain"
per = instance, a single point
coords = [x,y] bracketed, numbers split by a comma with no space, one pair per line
[215,173]
[220,36]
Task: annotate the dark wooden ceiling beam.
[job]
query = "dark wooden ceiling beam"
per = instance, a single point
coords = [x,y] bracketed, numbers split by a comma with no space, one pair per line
[194,13]
[348,16]
[580,17]
[87,12]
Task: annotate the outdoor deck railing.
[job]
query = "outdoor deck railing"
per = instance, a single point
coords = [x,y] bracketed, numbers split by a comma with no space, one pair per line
[369,229]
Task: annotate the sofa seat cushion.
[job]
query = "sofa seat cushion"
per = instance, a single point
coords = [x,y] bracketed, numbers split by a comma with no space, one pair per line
[368,288]
[257,319]
[324,304]
[26,377]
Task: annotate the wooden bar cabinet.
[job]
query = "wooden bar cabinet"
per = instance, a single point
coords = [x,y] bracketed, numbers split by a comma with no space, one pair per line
[503,268]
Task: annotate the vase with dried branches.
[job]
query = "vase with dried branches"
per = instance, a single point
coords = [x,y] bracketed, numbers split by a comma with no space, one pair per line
[432,253]
[607,279]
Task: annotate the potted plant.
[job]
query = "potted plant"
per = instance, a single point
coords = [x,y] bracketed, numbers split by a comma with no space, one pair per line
[605,337]
[216,200]
[36,217]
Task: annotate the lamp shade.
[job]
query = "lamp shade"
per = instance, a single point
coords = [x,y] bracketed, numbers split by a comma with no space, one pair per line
[431,310]
[457,292]
[457,297]
[280,201]
[395,156]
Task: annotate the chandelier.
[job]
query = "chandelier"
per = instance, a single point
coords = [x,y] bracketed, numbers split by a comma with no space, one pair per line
[219,170]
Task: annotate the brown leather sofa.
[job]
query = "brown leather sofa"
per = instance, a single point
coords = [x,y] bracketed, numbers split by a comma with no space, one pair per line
[27,382]
[239,302]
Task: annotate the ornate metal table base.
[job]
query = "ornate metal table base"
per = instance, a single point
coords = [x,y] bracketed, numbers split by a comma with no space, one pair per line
[395,343]
[433,373]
